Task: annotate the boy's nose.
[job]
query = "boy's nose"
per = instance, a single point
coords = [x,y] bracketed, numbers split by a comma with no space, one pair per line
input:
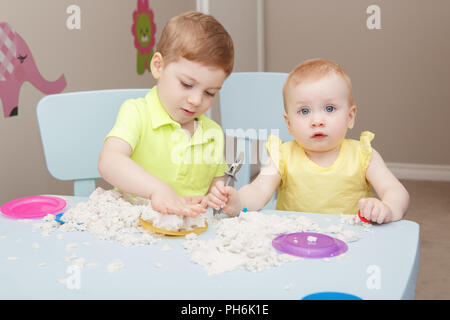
[195,98]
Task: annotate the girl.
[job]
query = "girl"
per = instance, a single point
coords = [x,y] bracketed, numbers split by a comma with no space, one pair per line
[320,171]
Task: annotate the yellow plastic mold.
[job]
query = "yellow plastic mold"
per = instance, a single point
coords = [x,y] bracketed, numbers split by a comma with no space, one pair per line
[148,225]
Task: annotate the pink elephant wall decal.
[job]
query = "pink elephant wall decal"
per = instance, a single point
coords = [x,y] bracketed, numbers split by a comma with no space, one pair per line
[17,66]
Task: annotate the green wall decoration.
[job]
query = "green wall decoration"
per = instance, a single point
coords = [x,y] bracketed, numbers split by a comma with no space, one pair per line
[143,30]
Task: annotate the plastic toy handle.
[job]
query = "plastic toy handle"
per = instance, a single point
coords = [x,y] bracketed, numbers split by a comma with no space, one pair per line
[362,218]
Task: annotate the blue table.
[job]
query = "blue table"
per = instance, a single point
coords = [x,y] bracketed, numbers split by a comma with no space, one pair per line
[383,264]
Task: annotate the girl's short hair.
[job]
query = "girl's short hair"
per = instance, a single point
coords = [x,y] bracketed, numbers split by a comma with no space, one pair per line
[315,69]
[197,37]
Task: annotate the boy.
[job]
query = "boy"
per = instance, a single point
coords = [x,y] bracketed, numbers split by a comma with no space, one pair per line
[162,147]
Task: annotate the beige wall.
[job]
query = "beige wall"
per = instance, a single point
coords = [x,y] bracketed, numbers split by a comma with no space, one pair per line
[101,55]
[239,18]
[400,73]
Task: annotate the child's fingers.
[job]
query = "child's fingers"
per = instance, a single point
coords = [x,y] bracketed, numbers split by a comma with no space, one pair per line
[179,207]
[229,190]
[197,209]
[381,217]
[179,211]
[224,190]
[162,210]
[215,202]
[374,216]
[361,204]
[204,202]
[159,208]
[220,188]
[194,211]
[220,193]
[197,199]
[384,214]
[191,213]
[367,211]
[194,199]
[214,205]
[227,210]
[220,184]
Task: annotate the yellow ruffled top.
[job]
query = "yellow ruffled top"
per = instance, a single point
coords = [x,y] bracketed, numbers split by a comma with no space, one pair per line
[308,187]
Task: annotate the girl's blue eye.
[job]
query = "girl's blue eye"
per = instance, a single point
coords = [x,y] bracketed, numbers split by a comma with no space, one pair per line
[304,111]
[329,108]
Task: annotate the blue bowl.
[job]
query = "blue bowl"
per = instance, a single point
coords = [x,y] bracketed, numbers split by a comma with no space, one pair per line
[331,296]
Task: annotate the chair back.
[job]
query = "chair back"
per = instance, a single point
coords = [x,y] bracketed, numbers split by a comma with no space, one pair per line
[251,105]
[73,127]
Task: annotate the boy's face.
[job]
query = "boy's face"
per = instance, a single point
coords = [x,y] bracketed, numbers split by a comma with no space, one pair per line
[318,113]
[186,88]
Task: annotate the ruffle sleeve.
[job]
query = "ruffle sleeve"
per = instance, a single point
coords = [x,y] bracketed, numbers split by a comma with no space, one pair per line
[366,149]
[273,147]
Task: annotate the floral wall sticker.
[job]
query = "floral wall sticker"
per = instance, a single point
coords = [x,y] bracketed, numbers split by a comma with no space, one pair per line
[143,30]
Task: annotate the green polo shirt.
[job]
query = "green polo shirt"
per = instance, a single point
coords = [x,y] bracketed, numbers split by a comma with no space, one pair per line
[164,149]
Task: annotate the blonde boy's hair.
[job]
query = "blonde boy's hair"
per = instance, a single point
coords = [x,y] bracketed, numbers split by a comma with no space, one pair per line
[197,37]
[312,70]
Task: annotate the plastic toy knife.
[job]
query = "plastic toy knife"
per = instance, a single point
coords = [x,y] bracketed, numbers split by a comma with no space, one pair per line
[231,173]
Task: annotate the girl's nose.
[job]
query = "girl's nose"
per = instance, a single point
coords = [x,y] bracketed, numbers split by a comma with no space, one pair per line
[317,122]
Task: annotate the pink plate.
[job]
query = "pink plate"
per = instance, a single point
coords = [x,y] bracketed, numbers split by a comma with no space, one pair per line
[33,207]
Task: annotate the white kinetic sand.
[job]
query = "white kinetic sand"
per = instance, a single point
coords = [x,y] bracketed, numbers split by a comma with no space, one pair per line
[111,215]
[246,241]
[172,222]
[242,242]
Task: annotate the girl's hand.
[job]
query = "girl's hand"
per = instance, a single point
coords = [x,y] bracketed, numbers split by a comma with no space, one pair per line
[375,210]
[166,201]
[225,197]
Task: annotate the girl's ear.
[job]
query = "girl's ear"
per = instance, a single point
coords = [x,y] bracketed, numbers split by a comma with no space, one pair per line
[288,123]
[351,116]
[157,65]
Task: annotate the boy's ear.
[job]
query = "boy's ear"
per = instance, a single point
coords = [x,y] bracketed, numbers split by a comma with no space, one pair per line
[351,116]
[157,65]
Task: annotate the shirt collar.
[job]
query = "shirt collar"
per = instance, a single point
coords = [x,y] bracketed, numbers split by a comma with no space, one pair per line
[160,117]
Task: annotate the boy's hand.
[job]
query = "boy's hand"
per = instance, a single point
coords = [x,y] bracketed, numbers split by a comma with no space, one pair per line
[167,201]
[375,210]
[225,197]
[199,201]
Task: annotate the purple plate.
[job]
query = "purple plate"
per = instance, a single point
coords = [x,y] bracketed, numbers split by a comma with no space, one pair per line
[297,244]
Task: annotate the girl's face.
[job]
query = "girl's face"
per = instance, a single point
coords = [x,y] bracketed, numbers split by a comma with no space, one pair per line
[319,113]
